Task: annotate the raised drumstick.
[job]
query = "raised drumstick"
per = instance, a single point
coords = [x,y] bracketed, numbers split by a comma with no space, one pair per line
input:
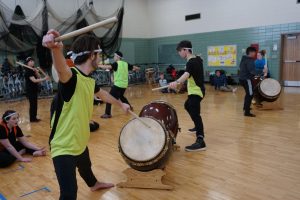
[24,65]
[38,68]
[86,29]
[138,118]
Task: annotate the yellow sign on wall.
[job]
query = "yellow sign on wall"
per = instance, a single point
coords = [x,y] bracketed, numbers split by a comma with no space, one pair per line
[221,56]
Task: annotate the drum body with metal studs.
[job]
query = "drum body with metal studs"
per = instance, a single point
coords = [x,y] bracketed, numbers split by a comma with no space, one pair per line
[163,112]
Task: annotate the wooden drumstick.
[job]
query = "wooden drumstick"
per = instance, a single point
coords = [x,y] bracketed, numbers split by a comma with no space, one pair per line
[38,68]
[25,65]
[86,29]
[159,88]
[163,87]
[138,118]
[42,71]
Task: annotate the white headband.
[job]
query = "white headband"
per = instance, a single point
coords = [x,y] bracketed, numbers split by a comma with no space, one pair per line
[75,55]
[11,114]
[188,48]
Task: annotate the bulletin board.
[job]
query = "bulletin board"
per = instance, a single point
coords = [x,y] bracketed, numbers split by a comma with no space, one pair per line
[221,56]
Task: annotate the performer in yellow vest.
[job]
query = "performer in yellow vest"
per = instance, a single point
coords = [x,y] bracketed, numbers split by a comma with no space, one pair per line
[70,122]
[120,69]
[196,91]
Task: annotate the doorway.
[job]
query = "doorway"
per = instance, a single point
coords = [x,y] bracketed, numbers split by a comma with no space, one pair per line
[290,60]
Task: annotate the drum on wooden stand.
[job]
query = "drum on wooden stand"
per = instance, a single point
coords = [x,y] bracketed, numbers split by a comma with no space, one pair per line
[149,75]
[146,149]
[143,148]
[267,90]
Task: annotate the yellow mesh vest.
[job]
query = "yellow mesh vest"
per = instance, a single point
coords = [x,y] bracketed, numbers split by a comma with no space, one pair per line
[72,132]
[121,75]
[193,88]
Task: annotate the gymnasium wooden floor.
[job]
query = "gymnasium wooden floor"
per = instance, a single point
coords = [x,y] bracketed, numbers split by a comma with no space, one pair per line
[247,158]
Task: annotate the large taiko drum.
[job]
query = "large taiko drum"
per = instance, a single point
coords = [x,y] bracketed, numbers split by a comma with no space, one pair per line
[144,148]
[267,90]
[163,112]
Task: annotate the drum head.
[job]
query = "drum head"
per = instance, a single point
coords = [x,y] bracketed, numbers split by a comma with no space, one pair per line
[140,143]
[270,87]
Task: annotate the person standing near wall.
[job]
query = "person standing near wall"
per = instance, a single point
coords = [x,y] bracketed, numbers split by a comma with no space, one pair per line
[32,79]
[120,69]
[247,72]
[195,76]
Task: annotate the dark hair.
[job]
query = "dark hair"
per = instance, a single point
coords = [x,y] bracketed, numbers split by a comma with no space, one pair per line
[119,53]
[262,52]
[5,117]
[184,44]
[84,43]
[250,49]
[161,73]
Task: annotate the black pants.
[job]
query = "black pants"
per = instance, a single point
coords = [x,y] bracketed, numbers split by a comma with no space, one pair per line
[192,105]
[65,169]
[7,159]
[247,84]
[33,101]
[118,93]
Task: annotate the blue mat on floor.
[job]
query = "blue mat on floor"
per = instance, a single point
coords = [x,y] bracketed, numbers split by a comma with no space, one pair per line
[2,197]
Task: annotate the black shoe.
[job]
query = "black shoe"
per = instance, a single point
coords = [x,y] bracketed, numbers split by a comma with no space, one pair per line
[249,115]
[192,130]
[35,120]
[94,126]
[199,145]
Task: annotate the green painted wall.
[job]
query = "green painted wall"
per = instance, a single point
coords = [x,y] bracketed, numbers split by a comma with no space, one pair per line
[136,50]
[146,50]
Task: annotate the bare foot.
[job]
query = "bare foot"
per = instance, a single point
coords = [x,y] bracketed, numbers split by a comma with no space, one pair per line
[39,153]
[101,185]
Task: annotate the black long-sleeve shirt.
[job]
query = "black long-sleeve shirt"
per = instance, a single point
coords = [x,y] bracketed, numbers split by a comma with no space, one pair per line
[247,68]
[195,68]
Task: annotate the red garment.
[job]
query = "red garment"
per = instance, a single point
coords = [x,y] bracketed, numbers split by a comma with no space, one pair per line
[173,73]
[70,62]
